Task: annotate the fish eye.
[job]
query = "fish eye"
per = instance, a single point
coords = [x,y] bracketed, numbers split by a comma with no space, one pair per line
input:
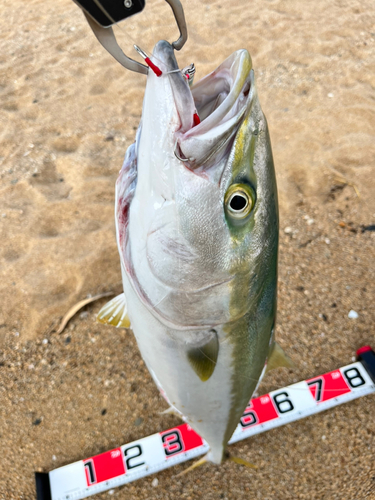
[239,200]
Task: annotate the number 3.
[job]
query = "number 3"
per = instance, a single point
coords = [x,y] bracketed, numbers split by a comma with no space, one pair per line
[172,442]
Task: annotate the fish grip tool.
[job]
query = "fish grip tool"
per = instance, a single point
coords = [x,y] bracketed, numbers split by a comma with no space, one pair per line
[102,14]
[108,12]
[159,451]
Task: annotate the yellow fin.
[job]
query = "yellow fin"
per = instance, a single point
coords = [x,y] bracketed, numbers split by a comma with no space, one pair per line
[241,461]
[200,462]
[203,358]
[115,313]
[277,358]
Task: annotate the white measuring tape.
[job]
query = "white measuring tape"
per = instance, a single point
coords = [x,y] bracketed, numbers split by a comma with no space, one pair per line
[165,449]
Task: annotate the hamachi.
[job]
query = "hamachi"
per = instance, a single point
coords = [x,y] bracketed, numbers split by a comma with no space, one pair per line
[197,233]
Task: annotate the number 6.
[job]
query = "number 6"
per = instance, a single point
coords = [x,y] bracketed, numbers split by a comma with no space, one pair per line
[283,402]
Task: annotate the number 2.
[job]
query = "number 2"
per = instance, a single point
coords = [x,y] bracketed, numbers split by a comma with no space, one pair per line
[133,454]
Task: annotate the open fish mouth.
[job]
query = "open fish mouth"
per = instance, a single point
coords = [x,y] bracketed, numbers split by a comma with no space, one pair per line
[220,99]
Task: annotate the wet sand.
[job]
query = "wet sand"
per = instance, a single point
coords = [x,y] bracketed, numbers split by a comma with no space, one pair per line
[68,112]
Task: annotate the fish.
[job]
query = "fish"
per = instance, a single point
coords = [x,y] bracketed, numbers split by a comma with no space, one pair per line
[197,232]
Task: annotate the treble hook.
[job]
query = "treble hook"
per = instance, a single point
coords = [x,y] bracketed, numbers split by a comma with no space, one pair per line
[108,40]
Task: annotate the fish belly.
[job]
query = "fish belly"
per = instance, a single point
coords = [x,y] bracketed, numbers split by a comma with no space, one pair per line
[205,405]
[212,407]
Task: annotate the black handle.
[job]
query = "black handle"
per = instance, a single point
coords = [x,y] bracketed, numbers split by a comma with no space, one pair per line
[108,12]
[43,489]
[367,357]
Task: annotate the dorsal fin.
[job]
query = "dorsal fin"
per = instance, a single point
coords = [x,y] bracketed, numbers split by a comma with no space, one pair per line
[115,313]
[277,358]
[203,357]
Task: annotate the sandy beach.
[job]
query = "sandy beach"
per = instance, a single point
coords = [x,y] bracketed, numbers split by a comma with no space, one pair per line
[68,112]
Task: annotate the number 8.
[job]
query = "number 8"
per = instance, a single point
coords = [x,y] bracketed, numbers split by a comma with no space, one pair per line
[354,378]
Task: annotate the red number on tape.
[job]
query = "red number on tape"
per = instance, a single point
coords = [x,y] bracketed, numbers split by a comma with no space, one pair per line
[104,466]
[180,439]
[328,386]
[258,411]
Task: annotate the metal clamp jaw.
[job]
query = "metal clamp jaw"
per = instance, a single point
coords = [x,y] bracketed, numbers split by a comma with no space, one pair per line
[108,40]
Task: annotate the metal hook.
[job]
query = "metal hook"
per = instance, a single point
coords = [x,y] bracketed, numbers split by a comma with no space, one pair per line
[108,40]
[179,15]
[184,160]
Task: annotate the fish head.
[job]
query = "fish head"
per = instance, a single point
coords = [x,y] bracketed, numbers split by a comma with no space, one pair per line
[203,216]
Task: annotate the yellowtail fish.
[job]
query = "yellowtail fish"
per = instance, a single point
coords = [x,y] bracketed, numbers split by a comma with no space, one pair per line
[197,233]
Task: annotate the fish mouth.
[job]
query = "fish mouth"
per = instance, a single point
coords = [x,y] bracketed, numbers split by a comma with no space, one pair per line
[221,99]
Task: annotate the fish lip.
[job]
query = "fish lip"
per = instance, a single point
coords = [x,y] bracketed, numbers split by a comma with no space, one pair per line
[183,100]
[222,99]
[231,77]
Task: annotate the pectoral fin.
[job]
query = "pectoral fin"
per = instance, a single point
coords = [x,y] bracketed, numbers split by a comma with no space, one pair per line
[277,358]
[203,357]
[115,313]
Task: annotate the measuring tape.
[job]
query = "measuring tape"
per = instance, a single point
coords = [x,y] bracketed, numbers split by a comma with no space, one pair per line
[162,450]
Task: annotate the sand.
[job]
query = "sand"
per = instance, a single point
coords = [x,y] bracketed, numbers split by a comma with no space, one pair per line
[68,112]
